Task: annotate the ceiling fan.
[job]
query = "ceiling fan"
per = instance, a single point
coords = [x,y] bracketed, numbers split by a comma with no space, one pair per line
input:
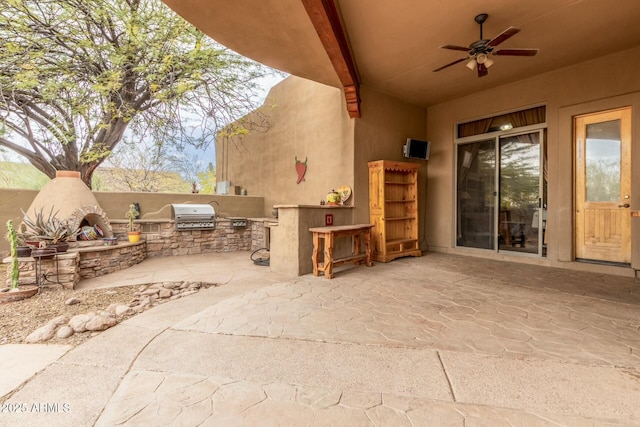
[479,50]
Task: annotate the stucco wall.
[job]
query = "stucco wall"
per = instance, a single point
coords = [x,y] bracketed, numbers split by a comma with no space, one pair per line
[156,205]
[309,121]
[385,125]
[603,83]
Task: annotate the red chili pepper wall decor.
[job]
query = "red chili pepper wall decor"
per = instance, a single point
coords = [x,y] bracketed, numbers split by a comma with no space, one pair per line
[301,168]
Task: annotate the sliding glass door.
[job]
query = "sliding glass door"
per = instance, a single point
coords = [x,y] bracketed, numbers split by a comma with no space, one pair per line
[476,194]
[520,195]
[499,194]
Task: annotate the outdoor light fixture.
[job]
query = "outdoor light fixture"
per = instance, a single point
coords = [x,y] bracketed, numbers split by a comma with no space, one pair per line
[471,64]
[506,126]
[481,58]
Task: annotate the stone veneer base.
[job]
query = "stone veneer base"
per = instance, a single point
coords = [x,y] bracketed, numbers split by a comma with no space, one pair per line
[97,261]
[160,238]
[62,270]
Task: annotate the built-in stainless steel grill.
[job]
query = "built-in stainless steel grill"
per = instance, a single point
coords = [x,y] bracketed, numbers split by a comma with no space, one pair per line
[193,217]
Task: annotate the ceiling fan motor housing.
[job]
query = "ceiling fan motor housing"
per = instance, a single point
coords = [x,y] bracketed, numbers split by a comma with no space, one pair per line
[480,46]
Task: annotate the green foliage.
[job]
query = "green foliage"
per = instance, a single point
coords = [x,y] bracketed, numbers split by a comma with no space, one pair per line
[48,229]
[76,75]
[603,180]
[12,237]
[132,214]
[21,175]
[519,176]
[139,180]
[143,167]
[24,175]
[207,180]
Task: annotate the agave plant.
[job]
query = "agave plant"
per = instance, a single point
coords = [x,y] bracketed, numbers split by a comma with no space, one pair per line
[48,229]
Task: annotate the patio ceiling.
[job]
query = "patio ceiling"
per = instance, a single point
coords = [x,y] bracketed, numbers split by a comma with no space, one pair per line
[395,45]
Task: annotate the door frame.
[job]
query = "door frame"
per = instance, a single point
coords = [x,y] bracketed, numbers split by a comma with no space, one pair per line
[625,115]
[561,152]
[539,127]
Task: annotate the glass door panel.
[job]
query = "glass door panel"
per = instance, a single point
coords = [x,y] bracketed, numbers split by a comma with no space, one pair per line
[475,194]
[519,219]
[602,162]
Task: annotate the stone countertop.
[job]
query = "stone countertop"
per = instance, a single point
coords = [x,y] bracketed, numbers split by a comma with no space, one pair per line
[165,220]
[312,207]
[140,220]
[100,248]
[64,255]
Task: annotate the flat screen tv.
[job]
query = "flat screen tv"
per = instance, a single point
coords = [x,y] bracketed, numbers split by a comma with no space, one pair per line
[416,149]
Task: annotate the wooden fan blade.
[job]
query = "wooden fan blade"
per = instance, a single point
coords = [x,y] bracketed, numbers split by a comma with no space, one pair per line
[454,47]
[506,34]
[482,70]
[449,65]
[516,52]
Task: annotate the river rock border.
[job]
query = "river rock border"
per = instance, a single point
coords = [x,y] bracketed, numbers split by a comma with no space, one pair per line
[146,297]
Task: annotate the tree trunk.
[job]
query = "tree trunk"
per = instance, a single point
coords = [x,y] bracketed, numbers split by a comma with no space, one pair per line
[86,172]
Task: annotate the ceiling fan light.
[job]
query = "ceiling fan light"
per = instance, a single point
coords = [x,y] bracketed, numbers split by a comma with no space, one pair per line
[488,62]
[471,64]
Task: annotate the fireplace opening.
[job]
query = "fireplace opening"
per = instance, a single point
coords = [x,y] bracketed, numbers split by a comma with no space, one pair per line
[96,220]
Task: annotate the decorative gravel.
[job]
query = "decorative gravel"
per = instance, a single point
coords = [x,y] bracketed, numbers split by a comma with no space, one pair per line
[20,318]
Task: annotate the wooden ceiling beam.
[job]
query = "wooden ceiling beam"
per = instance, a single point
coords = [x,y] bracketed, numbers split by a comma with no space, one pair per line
[326,20]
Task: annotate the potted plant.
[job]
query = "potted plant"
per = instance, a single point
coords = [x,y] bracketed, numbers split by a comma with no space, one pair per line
[60,234]
[23,250]
[333,198]
[33,233]
[48,231]
[14,292]
[131,214]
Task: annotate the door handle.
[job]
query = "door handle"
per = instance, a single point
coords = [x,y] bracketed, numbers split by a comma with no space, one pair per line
[626,205]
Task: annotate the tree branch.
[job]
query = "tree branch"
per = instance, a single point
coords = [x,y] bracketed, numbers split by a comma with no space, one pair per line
[36,160]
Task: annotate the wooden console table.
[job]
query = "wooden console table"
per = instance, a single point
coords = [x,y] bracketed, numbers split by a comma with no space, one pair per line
[329,234]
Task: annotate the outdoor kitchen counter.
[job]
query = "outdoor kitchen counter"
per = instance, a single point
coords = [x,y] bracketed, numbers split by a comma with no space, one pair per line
[292,244]
[311,207]
[97,246]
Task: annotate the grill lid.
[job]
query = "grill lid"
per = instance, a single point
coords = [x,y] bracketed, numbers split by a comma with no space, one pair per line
[186,211]
[193,216]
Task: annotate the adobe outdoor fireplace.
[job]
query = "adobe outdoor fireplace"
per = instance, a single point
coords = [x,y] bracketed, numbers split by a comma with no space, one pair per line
[73,201]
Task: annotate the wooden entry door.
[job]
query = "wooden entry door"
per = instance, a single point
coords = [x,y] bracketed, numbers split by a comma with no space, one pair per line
[603,186]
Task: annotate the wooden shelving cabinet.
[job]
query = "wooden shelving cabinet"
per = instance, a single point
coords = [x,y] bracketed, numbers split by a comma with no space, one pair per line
[393,209]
